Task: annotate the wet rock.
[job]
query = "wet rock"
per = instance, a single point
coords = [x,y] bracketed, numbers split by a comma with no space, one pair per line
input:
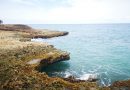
[92,78]
[72,79]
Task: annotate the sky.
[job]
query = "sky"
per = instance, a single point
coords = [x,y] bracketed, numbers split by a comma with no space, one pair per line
[64,11]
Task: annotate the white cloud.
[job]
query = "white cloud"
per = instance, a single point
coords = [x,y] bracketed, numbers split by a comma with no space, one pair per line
[77,11]
[90,11]
[26,2]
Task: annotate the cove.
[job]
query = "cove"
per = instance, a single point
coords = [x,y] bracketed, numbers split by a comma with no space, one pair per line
[101,49]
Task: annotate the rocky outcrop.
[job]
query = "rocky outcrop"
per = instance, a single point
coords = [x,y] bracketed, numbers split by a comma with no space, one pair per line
[31,32]
[51,57]
[14,27]
[48,34]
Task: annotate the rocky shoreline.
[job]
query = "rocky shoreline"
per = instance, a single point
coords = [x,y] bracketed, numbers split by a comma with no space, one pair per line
[31,32]
[21,61]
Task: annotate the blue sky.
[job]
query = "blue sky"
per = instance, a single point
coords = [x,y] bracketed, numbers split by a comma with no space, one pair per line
[65,11]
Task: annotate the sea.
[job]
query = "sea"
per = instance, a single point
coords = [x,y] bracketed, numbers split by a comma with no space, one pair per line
[95,49]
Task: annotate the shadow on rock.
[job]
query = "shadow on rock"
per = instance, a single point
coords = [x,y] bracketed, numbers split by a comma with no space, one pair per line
[56,69]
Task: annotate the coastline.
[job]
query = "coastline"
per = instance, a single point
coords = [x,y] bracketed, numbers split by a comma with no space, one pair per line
[20,59]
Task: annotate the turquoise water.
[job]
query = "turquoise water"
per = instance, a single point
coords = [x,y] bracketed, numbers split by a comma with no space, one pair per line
[101,49]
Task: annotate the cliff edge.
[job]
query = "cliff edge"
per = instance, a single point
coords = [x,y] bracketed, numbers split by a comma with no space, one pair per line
[21,60]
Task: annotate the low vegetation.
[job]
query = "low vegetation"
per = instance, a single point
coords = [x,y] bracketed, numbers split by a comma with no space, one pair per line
[17,73]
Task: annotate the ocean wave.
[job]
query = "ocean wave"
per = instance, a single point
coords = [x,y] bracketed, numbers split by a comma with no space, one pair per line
[88,76]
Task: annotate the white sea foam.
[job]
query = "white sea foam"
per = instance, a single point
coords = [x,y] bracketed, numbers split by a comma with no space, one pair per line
[88,76]
[105,79]
[67,74]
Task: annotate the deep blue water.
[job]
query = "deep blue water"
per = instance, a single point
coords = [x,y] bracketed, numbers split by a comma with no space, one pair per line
[101,49]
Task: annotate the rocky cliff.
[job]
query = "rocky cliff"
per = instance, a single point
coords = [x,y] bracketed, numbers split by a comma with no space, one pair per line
[21,60]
